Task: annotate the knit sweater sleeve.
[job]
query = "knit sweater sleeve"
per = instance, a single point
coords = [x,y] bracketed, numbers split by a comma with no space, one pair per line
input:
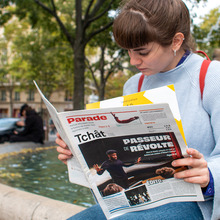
[211,103]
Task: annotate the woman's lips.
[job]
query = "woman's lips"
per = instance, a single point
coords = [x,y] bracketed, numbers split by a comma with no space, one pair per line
[142,69]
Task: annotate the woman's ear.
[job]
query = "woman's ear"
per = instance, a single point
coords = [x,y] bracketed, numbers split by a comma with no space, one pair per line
[177,41]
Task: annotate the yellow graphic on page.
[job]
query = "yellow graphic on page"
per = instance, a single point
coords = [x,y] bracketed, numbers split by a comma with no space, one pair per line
[165,94]
[136,99]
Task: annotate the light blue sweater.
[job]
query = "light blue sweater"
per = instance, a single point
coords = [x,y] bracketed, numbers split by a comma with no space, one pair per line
[200,118]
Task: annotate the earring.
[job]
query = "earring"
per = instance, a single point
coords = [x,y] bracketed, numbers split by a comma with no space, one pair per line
[174,53]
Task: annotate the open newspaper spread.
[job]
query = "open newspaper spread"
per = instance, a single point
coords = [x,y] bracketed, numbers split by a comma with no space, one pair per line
[124,155]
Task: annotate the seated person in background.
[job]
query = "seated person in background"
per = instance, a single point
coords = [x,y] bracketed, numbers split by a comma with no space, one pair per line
[33,128]
[216,54]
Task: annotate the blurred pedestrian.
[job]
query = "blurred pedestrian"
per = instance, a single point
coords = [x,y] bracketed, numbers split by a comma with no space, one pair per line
[21,115]
[33,127]
[216,54]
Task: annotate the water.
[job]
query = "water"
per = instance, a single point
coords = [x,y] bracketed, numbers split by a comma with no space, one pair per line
[40,172]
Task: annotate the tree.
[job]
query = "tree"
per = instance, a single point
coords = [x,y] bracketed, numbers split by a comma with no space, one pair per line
[207,34]
[77,22]
[31,54]
[48,63]
[7,68]
[86,13]
[110,62]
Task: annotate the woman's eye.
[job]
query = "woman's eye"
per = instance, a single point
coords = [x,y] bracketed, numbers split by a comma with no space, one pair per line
[144,54]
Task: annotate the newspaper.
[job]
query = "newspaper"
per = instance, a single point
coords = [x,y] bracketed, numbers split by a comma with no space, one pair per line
[124,154]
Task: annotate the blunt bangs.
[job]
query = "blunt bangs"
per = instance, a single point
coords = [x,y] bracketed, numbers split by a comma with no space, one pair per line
[131,30]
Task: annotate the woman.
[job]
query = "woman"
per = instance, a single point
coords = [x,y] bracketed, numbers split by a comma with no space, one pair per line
[156,34]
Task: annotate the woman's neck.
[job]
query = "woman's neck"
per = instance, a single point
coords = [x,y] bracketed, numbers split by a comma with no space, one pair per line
[178,57]
[175,61]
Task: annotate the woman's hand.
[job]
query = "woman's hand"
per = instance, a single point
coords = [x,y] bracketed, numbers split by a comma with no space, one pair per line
[63,150]
[198,173]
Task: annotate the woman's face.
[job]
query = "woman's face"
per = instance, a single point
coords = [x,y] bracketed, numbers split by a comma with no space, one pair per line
[153,58]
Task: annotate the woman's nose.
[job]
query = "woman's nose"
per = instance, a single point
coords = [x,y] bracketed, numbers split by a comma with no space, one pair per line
[134,59]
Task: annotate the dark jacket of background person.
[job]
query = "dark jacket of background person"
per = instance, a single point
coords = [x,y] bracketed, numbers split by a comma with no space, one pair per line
[33,129]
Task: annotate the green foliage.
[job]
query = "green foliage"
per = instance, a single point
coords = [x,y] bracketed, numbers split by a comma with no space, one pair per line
[115,85]
[207,34]
[48,61]
[38,51]
[37,55]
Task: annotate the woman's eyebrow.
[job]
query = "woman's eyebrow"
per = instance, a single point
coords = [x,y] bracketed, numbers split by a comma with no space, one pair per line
[141,48]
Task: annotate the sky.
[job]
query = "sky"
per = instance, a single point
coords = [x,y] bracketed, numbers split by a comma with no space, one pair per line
[202,9]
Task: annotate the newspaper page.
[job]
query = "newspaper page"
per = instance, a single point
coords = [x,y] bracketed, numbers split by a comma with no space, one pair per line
[75,172]
[126,155]
[164,94]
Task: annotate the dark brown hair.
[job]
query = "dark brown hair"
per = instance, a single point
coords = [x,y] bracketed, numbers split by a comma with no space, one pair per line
[143,21]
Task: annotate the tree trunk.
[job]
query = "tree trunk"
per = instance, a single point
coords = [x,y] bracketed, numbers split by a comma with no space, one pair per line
[102,92]
[102,74]
[79,78]
[94,11]
[79,60]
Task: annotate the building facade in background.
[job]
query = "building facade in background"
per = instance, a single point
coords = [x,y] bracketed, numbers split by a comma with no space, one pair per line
[11,101]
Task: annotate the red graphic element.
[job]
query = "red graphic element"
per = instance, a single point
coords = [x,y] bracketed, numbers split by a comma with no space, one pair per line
[175,151]
[125,120]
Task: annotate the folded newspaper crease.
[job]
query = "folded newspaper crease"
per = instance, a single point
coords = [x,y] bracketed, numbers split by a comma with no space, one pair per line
[124,153]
